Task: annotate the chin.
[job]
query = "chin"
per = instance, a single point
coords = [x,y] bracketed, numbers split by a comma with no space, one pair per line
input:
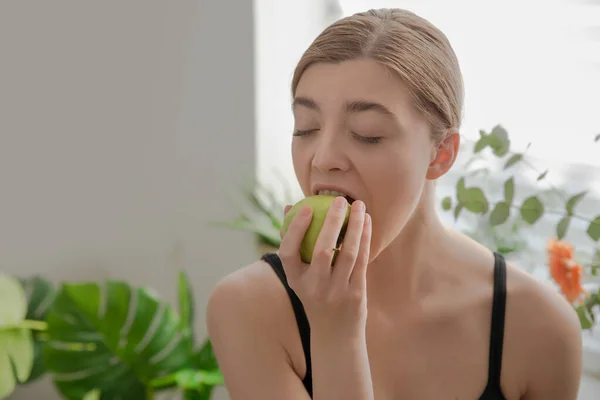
[376,249]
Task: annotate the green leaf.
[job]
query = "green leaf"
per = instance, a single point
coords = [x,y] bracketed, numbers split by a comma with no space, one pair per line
[506,250]
[16,358]
[481,144]
[585,319]
[92,395]
[13,301]
[457,210]
[498,141]
[256,216]
[205,358]
[572,202]
[513,160]
[273,210]
[562,226]
[40,295]
[596,259]
[475,201]
[461,190]
[509,191]
[186,305]
[195,379]
[593,230]
[16,344]
[447,203]
[195,395]
[500,214]
[114,338]
[532,210]
[542,175]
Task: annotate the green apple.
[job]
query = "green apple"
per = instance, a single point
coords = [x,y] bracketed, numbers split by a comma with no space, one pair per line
[320,204]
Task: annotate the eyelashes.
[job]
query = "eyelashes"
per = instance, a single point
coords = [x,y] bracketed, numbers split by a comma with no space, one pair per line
[362,139]
[298,133]
[367,139]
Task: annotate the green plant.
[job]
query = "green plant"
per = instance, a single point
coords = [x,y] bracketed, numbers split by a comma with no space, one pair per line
[103,340]
[507,212]
[260,212]
[16,342]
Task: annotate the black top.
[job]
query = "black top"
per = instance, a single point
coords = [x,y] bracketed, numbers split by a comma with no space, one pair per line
[492,391]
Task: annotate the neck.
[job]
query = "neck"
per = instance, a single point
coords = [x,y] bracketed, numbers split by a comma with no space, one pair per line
[400,273]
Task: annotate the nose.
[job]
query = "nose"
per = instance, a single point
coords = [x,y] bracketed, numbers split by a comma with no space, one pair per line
[329,153]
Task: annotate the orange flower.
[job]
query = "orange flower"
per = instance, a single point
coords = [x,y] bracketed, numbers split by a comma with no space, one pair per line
[565,271]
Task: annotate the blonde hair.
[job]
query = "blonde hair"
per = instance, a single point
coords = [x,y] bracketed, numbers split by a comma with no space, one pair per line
[418,52]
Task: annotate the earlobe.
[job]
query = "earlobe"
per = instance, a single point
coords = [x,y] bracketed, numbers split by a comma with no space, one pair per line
[445,155]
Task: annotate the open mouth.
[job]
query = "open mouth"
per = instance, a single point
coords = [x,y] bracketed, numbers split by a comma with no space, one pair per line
[336,193]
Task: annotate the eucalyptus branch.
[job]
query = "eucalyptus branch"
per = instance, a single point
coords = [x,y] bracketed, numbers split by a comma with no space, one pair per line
[532,208]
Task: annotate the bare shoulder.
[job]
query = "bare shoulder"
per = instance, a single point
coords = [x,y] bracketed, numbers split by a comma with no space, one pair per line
[249,299]
[534,307]
[251,288]
[543,334]
[248,323]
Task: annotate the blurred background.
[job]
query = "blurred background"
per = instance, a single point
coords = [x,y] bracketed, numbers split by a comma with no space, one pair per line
[129,128]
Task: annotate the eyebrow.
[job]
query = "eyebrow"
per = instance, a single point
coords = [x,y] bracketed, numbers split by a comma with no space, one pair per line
[351,107]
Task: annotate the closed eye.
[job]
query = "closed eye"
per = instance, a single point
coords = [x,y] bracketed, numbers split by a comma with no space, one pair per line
[367,139]
[304,133]
[363,139]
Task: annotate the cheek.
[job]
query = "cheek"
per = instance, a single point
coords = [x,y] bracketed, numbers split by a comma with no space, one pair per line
[301,162]
[396,192]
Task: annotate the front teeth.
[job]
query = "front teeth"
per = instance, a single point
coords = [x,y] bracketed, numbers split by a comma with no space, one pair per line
[332,193]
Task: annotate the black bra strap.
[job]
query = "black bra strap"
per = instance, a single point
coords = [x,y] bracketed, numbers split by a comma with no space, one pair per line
[303,326]
[498,316]
[497,327]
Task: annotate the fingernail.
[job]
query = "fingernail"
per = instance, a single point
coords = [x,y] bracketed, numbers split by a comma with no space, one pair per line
[339,202]
[360,206]
[305,211]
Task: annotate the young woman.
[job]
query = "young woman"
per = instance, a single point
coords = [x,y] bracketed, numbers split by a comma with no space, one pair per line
[411,310]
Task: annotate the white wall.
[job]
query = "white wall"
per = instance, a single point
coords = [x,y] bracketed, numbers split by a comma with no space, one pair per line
[120,121]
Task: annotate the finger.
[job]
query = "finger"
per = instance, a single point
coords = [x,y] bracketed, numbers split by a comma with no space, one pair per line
[289,250]
[345,260]
[327,240]
[358,278]
[285,211]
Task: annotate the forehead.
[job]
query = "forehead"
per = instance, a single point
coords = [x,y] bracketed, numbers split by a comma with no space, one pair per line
[333,84]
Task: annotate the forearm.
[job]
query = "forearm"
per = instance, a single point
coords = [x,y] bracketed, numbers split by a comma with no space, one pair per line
[340,367]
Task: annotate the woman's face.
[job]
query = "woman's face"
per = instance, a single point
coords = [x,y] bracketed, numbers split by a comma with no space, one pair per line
[357,131]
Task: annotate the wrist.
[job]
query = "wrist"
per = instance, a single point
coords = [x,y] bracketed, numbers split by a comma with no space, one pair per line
[328,336]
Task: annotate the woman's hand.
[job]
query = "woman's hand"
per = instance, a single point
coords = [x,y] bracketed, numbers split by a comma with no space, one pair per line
[334,297]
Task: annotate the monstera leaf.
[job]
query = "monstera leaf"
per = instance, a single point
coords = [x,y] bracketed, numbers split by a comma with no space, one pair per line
[40,295]
[16,343]
[112,338]
[186,305]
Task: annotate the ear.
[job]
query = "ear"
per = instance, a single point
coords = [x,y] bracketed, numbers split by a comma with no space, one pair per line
[444,155]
